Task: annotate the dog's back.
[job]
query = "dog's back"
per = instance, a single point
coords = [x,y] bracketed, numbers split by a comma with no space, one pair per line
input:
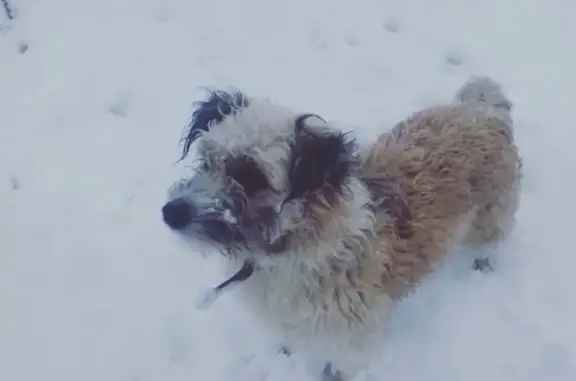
[457,170]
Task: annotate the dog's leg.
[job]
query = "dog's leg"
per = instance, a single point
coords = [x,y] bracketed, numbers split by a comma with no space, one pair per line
[328,374]
[489,229]
[485,258]
[483,265]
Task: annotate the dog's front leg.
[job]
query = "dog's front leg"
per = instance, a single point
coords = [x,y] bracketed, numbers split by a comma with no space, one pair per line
[328,374]
[483,265]
[486,259]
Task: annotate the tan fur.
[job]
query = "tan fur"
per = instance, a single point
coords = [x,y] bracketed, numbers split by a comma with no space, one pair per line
[445,162]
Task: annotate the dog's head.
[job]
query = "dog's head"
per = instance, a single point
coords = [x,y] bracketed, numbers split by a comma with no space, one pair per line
[267,179]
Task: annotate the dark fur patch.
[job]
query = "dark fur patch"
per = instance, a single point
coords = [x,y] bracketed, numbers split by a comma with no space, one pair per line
[320,161]
[209,112]
[247,174]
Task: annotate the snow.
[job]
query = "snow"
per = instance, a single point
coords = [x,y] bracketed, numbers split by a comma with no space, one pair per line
[92,285]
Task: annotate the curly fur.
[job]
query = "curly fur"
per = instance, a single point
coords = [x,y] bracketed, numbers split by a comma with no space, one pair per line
[338,234]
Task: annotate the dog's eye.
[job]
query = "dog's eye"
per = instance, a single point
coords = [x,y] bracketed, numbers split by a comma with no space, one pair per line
[205,166]
[252,180]
[248,175]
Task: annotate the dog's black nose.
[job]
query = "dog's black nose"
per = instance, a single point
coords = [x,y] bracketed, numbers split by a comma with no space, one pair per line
[177,213]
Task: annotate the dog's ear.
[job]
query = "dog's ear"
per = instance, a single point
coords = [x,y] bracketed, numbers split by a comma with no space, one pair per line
[210,112]
[322,159]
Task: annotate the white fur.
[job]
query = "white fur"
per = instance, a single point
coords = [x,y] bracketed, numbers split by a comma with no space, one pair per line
[263,131]
[288,297]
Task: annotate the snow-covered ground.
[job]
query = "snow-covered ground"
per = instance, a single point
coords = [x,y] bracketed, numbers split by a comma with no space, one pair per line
[93,287]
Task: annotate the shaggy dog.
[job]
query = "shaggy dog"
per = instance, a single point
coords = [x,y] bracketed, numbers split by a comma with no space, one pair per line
[329,236]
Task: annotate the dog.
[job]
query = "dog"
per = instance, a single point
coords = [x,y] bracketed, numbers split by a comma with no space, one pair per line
[330,235]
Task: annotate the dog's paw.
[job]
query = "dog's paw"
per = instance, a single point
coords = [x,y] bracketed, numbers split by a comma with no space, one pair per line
[483,265]
[328,374]
[285,351]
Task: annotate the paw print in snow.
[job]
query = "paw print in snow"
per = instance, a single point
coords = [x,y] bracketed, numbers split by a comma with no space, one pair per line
[454,59]
[391,26]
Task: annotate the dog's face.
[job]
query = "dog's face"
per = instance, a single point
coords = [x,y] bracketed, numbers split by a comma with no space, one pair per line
[264,174]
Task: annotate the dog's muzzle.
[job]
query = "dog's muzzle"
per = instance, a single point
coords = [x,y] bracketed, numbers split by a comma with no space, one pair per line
[197,204]
[178,213]
[197,201]
[182,212]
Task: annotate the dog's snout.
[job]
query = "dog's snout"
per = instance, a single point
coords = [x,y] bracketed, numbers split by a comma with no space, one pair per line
[177,213]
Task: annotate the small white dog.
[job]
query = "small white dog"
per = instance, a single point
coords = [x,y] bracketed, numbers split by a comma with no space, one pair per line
[329,236]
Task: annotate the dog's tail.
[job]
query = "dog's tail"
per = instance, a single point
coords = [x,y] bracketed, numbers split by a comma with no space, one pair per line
[484,90]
